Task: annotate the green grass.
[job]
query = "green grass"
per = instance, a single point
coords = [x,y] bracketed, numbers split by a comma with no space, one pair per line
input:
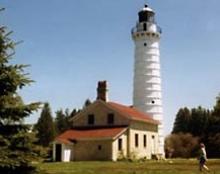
[147,167]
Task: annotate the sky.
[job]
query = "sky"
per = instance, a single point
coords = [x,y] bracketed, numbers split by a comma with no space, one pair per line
[73,44]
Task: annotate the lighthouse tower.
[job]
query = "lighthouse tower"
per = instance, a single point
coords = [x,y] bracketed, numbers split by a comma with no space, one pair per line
[147,81]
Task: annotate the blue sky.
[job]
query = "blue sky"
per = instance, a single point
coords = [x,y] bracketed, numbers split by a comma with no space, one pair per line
[72,44]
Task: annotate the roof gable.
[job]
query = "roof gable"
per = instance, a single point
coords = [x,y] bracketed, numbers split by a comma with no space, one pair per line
[130,113]
[86,109]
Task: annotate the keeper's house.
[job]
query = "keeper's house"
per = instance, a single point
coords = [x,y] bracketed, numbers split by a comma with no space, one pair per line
[107,131]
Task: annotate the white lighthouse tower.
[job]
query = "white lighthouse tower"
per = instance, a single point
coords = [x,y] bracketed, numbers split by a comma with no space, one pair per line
[147,81]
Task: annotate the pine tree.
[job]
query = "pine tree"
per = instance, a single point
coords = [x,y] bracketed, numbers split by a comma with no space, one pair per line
[182,120]
[87,103]
[16,147]
[199,121]
[45,126]
[73,113]
[213,132]
[214,125]
[62,121]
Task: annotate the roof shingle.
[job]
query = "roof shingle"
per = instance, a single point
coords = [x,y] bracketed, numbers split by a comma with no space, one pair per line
[101,133]
[133,113]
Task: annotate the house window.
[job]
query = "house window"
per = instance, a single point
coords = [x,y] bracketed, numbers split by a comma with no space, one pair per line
[110,118]
[136,140]
[145,44]
[99,147]
[145,140]
[91,119]
[119,144]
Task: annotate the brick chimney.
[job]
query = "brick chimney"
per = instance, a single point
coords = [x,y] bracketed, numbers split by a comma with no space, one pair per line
[102,91]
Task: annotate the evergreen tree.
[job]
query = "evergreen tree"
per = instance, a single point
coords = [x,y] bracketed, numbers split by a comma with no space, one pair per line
[213,132]
[45,126]
[67,118]
[213,145]
[73,113]
[16,146]
[62,121]
[199,121]
[214,119]
[87,103]
[182,121]
[63,118]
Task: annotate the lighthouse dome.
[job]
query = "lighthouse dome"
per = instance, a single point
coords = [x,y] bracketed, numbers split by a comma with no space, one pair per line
[146,14]
[146,8]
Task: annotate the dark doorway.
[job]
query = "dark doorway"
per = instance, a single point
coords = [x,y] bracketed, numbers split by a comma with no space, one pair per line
[58,152]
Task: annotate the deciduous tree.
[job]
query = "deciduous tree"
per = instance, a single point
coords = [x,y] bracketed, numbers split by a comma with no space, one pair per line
[181,145]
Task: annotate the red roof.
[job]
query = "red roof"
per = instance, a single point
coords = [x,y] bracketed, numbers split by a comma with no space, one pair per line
[133,113]
[108,133]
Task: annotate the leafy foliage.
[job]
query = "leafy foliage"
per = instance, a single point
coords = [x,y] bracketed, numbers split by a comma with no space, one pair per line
[201,123]
[181,145]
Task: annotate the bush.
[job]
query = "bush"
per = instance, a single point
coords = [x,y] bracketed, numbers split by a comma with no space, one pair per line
[181,145]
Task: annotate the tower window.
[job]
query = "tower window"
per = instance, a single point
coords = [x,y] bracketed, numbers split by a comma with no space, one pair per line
[145,44]
[91,119]
[136,140]
[145,27]
[110,118]
[152,101]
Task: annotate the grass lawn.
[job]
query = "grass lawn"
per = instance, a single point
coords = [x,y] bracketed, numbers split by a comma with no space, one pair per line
[148,167]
